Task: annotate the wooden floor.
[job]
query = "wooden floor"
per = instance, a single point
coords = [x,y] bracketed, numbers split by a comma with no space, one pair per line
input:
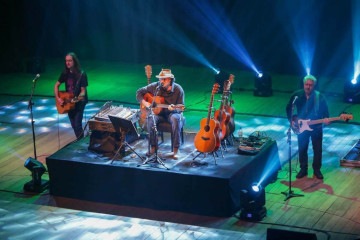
[329,208]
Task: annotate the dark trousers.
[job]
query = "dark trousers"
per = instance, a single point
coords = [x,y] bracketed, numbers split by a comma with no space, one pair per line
[316,137]
[76,117]
[176,121]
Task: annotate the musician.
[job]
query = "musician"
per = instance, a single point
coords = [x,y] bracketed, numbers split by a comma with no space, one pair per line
[309,104]
[76,82]
[171,94]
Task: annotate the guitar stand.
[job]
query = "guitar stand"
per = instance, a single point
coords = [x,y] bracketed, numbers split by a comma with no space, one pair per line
[197,163]
[123,126]
[156,158]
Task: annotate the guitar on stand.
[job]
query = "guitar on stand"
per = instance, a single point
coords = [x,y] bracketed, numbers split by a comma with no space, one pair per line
[69,102]
[143,110]
[207,139]
[300,125]
[223,118]
[228,108]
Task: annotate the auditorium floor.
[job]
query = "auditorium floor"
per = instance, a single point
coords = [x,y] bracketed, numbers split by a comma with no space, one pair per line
[329,208]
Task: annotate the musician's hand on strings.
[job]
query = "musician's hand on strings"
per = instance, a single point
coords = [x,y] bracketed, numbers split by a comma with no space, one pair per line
[146,104]
[326,121]
[171,107]
[60,101]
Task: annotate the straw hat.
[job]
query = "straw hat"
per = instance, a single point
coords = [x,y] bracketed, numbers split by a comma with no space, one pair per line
[165,73]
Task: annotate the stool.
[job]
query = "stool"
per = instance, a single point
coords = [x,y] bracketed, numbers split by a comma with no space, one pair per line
[166,127]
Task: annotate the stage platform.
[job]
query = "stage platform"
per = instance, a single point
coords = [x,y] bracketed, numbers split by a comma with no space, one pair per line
[198,187]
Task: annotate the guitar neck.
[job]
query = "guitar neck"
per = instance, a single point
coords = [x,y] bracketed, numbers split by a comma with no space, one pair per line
[312,122]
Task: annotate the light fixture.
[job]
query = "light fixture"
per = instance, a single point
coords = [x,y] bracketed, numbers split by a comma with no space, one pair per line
[263,85]
[37,169]
[252,203]
[352,90]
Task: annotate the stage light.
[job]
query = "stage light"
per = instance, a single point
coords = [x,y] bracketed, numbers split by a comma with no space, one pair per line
[37,169]
[252,203]
[262,85]
[352,90]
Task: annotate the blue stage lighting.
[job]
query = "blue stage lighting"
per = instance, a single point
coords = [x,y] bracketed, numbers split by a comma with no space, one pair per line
[252,203]
[353,81]
[263,85]
[37,169]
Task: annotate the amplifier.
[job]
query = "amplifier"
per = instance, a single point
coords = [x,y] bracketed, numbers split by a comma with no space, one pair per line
[104,126]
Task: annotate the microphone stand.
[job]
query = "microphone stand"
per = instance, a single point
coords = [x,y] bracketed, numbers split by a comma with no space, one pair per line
[30,107]
[153,134]
[290,193]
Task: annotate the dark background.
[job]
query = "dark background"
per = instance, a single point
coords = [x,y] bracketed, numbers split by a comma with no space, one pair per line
[118,30]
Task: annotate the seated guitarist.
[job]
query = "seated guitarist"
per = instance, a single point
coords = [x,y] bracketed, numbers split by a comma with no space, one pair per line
[75,85]
[169,94]
[309,104]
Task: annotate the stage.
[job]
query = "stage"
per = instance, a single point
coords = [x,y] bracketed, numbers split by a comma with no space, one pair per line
[204,186]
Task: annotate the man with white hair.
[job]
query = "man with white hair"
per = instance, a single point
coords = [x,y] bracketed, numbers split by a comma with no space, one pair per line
[309,104]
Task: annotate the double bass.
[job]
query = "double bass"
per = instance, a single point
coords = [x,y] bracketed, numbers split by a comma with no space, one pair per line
[207,139]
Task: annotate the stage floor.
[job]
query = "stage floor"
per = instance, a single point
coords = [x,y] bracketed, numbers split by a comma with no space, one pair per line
[209,185]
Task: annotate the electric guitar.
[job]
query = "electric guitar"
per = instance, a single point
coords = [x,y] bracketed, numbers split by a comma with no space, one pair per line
[300,125]
[207,139]
[68,104]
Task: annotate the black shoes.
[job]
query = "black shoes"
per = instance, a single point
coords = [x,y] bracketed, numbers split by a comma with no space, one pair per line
[318,174]
[302,173]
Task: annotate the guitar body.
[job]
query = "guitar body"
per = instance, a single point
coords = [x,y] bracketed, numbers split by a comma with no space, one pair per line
[223,118]
[207,139]
[67,105]
[231,125]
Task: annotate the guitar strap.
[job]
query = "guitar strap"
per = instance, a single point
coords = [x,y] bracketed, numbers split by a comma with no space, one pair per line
[77,85]
[317,99]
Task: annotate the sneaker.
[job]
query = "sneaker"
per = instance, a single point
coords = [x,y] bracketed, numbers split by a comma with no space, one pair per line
[302,173]
[318,174]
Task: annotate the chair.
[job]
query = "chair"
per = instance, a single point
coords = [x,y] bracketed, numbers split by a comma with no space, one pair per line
[166,127]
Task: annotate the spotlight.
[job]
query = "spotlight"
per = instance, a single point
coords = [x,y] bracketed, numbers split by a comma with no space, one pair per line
[220,77]
[352,90]
[37,169]
[262,85]
[252,203]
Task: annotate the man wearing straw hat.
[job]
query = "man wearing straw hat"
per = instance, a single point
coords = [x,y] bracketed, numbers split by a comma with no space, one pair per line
[169,95]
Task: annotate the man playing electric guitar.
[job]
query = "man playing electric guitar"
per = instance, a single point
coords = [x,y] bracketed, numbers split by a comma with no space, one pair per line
[163,93]
[310,105]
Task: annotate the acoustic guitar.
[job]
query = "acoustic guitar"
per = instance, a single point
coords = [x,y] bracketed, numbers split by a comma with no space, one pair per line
[223,117]
[143,112]
[159,104]
[68,104]
[207,139]
[228,105]
[300,125]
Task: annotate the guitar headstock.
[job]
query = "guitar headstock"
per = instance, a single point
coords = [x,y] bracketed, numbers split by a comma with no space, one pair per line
[148,72]
[227,83]
[346,117]
[215,89]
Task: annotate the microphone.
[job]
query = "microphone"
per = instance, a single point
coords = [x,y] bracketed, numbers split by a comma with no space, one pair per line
[295,98]
[36,78]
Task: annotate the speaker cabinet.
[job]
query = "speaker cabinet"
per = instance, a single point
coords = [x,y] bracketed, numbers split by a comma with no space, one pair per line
[277,234]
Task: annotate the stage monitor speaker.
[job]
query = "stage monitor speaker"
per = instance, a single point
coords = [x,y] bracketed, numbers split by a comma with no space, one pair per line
[277,234]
